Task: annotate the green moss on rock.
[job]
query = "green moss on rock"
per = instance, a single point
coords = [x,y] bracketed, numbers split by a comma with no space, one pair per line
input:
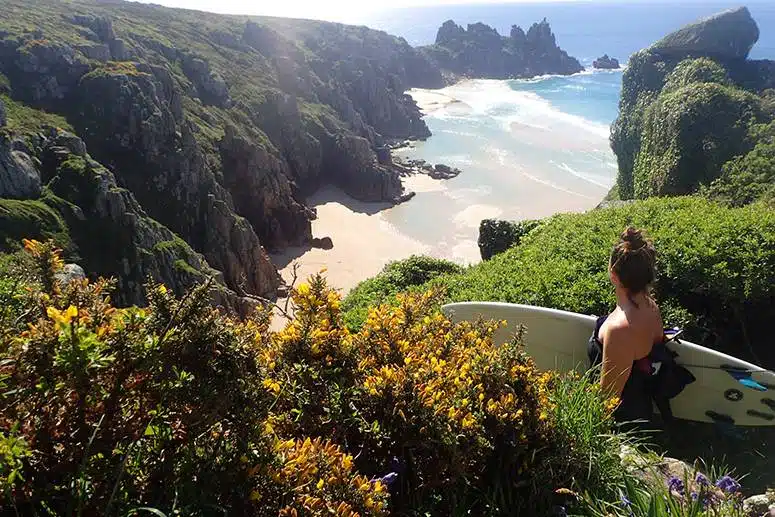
[30,219]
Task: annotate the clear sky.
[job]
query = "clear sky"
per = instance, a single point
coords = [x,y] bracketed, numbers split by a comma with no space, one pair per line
[335,10]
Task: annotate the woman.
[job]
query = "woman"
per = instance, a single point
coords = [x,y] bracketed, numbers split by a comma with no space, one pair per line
[626,337]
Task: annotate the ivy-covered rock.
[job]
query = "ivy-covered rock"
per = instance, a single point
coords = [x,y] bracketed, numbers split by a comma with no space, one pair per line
[689,105]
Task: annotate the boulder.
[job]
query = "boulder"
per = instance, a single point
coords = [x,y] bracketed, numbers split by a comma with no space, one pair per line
[118,49]
[69,273]
[757,506]
[102,26]
[19,178]
[727,35]
[70,142]
[441,171]
[211,87]
[100,51]
[606,63]
[324,243]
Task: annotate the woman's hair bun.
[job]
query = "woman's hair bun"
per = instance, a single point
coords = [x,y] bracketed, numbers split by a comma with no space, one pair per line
[633,239]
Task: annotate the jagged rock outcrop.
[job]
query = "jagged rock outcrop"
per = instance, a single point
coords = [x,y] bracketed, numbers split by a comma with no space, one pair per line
[104,226]
[479,51]
[727,35]
[606,63]
[349,156]
[689,104]
[218,127]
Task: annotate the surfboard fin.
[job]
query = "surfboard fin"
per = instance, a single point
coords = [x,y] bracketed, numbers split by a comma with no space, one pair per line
[744,378]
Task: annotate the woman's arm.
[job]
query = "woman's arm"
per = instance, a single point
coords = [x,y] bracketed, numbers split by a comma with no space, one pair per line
[617,361]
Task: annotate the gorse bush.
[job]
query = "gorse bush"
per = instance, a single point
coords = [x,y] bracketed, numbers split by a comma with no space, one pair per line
[177,408]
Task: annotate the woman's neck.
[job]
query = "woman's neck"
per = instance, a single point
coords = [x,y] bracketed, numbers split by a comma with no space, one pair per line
[627,300]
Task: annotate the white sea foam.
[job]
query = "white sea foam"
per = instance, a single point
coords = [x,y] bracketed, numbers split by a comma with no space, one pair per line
[591,178]
[494,99]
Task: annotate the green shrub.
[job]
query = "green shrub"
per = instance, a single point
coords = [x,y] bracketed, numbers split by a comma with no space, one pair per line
[582,421]
[497,236]
[716,268]
[749,177]
[699,70]
[396,277]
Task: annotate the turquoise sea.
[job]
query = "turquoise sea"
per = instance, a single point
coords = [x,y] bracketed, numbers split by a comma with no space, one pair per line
[530,148]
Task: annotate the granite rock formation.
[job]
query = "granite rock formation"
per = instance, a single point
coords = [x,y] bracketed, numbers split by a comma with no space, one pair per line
[479,51]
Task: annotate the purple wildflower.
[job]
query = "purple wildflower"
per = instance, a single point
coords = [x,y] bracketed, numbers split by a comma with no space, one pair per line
[397,465]
[728,484]
[702,480]
[627,504]
[674,484]
[388,479]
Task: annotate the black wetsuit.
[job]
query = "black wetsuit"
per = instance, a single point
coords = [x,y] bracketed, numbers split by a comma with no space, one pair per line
[653,380]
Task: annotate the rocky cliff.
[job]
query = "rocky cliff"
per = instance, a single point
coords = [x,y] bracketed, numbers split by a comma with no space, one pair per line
[202,130]
[690,104]
[479,51]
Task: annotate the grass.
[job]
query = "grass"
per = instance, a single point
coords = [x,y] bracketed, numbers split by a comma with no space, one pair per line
[24,119]
[20,219]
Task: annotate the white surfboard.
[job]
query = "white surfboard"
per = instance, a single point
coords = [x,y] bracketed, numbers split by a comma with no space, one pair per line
[557,340]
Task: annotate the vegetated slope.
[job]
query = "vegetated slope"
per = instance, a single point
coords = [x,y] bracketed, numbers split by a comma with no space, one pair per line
[177,408]
[213,126]
[716,269]
[692,107]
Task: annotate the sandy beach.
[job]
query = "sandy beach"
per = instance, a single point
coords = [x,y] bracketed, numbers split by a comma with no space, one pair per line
[363,240]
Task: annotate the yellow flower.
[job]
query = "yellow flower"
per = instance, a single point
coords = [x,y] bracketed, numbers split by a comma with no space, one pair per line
[255,496]
[303,289]
[320,484]
[611,404]
[62,317]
